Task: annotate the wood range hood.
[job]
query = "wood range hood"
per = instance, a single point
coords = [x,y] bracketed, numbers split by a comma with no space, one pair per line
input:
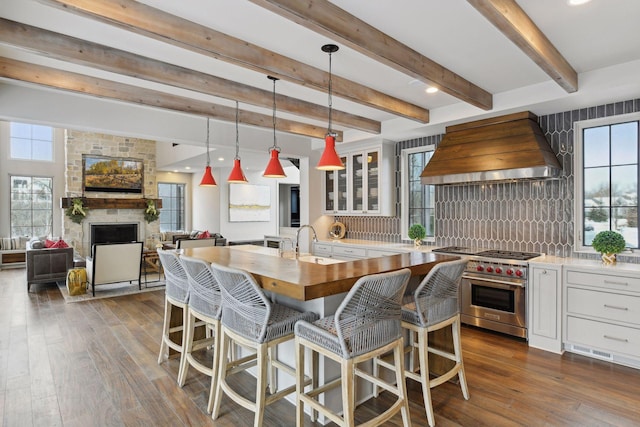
[498,149]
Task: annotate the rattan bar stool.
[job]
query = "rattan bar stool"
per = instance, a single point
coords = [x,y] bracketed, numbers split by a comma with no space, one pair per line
[205,303]
[176,295]
[432,306]
[253,322]
[365,325]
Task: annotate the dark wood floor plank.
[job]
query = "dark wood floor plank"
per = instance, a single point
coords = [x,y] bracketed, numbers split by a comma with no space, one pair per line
[95,363]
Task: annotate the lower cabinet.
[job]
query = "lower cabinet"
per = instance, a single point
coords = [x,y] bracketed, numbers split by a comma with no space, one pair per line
[544,315]
[602,314]
[349,252]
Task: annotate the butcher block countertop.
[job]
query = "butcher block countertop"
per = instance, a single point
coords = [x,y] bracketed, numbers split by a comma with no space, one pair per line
[307,280]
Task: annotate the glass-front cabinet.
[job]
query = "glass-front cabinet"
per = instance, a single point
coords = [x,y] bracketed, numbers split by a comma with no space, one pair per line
[365,177]
[365,187]
[335,190]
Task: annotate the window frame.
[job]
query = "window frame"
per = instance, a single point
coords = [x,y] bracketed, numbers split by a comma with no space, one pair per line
[404,186]
[578,168]
[31,140]
[184,204]
[32,177]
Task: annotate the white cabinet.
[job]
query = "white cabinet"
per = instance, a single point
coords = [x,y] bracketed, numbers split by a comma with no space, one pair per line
[365,187]
[602,313]
[350,252]
[545,307]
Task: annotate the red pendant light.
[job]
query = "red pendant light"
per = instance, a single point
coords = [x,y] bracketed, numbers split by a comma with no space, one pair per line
[274,168]
[237,176]
[207,178]
[330,161]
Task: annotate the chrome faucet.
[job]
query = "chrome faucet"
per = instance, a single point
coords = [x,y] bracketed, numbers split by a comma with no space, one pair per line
[315,237]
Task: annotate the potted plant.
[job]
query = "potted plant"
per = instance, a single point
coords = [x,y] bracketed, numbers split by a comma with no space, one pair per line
[608,243]
[417,232]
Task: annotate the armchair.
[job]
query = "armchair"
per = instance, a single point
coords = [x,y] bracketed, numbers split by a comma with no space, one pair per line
[113,263]
[48,265]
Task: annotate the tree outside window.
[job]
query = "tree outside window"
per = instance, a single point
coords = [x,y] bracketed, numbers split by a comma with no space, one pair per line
[31,209]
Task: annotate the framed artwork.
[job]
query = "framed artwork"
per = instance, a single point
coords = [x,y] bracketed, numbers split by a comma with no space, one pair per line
[249,203]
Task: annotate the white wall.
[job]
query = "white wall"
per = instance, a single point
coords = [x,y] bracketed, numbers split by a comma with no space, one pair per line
[55,169]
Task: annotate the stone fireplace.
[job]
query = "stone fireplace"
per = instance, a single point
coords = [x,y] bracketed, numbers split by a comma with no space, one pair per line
[78,143]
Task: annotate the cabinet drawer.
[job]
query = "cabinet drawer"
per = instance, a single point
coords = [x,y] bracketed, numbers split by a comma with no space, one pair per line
[607,281]
[350,252]
[602,335]
[605,305]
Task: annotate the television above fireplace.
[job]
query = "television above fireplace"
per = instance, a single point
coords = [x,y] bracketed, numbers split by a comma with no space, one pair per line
[114,233]
[112,174]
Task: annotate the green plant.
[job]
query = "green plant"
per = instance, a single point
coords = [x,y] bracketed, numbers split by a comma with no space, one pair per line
[608,242]
[76,212]
[417,231]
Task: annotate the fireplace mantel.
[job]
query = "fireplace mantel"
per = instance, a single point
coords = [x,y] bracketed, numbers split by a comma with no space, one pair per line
[107,203]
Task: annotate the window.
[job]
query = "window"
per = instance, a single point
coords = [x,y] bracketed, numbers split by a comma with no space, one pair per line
[172,212]
[31,206]
[607,178]
[31,142]
[418,201]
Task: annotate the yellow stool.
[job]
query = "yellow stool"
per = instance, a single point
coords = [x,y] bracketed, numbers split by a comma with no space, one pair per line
[77,281]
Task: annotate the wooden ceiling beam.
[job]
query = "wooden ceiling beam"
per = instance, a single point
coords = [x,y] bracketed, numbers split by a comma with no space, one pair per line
[514,23]
[87,85]
[77,51]
[159,25]
[328,19]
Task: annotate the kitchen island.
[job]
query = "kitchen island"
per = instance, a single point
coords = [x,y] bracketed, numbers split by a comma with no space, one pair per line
[314,283]
[304,279]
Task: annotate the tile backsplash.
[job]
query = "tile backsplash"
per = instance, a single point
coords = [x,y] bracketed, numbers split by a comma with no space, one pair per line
[535,215]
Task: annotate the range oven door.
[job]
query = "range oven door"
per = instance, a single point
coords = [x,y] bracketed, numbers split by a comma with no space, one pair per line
[494,303]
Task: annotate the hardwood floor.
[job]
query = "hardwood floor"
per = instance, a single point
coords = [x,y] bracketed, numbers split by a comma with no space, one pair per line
[95,364]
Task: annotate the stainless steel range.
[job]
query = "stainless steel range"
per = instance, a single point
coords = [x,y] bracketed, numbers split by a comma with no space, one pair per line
[493,290]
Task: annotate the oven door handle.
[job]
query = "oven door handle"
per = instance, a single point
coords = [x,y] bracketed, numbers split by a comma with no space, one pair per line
[487,279]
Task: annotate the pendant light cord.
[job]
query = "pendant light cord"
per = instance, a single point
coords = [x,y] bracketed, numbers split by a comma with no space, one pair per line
[329,131]
[237,139]
[208,158]
[275,144]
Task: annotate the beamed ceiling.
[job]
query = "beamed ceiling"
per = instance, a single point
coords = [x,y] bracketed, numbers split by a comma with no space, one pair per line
[486,57]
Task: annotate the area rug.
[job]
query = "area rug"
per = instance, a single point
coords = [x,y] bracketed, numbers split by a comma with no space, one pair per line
[112,290]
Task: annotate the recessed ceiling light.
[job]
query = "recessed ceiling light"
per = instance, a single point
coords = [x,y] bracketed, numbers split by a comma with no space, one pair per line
[221,159]
[431,89]
[175,171]
[187,167]
[577,2]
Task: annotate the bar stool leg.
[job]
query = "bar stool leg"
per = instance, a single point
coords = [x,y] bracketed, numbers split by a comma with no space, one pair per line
[300,383]
[348,393]
[189,328]
[222,373]
[458,353]
[165,330]
[215,367]
[401,383]
[423,341]
[264,368]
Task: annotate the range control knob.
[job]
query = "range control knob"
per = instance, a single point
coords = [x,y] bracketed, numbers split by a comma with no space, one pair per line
[519,273]
[480,268]
[510,272]
[489,269]
[498,270]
